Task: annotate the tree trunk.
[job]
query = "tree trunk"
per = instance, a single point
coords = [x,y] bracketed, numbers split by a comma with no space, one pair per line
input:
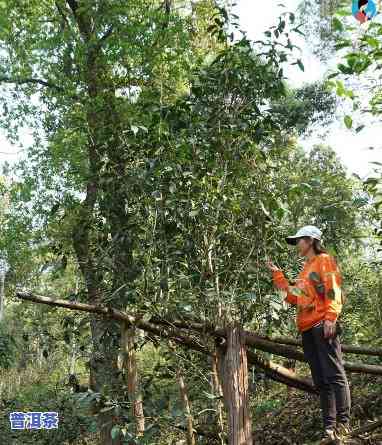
[218,391]
[130,371]
[2,281]
[185,402]
[103,141]
[72,357]
[234,375]
[104,371]
[73,344]
[187,408]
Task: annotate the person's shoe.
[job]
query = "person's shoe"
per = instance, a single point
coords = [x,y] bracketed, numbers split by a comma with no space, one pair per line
[342,432]
[329,436]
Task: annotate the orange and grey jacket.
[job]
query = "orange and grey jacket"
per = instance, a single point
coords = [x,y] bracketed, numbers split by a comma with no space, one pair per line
[317,292]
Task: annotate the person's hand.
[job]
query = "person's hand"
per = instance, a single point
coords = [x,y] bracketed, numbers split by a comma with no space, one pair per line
[329,329]
[272,266]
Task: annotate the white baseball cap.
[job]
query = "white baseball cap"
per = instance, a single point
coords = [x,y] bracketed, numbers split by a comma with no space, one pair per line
[312,231]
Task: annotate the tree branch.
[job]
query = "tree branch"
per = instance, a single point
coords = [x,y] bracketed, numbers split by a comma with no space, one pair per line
[272,370]
[267,345]
[82,22]
[293,353]
[21,81]
[102,39]
[350,349]
[167,4]
[62,14]
[281,374]
[251,338]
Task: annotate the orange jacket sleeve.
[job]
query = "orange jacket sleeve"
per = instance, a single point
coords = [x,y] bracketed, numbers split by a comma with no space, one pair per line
[282,283]
[332,280]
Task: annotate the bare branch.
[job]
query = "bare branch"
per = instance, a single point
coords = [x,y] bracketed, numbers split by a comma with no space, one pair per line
[62,13]
[350,349]
[272,370]
[251,338]
[21,81]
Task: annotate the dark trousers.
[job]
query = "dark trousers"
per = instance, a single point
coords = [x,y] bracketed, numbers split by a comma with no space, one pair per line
[325,360]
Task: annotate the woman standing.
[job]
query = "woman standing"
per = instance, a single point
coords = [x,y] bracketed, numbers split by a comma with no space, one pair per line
[318,297]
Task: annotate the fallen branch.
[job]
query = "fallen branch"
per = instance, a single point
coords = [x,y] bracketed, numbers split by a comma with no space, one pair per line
[272,370]
[295,354]
[259,342]
[349,349]
[281,374]
[267,345]
[251,338]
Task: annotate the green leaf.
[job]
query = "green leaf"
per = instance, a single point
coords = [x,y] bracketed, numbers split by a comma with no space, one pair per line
[348,121]
[146,317]
[337,25]
[343,44]
[344,69]
[343,12]
[276,305]
[332,76]
[249,296]
[372,41]
[300,65]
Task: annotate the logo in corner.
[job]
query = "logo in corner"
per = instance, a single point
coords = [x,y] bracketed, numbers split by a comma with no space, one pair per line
[364,10]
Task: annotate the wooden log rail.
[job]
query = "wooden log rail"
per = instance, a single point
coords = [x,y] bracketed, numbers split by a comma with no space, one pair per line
[175,331]
[350,349]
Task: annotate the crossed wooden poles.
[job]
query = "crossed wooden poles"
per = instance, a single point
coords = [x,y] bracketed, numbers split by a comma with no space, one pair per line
[195,335]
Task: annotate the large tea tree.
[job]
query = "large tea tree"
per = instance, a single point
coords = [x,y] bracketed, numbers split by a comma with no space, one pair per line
[69,66]
[149,164]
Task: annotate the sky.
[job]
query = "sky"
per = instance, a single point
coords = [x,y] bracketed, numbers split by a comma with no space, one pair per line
[351,148]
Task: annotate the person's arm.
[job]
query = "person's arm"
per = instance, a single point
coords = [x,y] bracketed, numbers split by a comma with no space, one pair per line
[282,283]
[332,280]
